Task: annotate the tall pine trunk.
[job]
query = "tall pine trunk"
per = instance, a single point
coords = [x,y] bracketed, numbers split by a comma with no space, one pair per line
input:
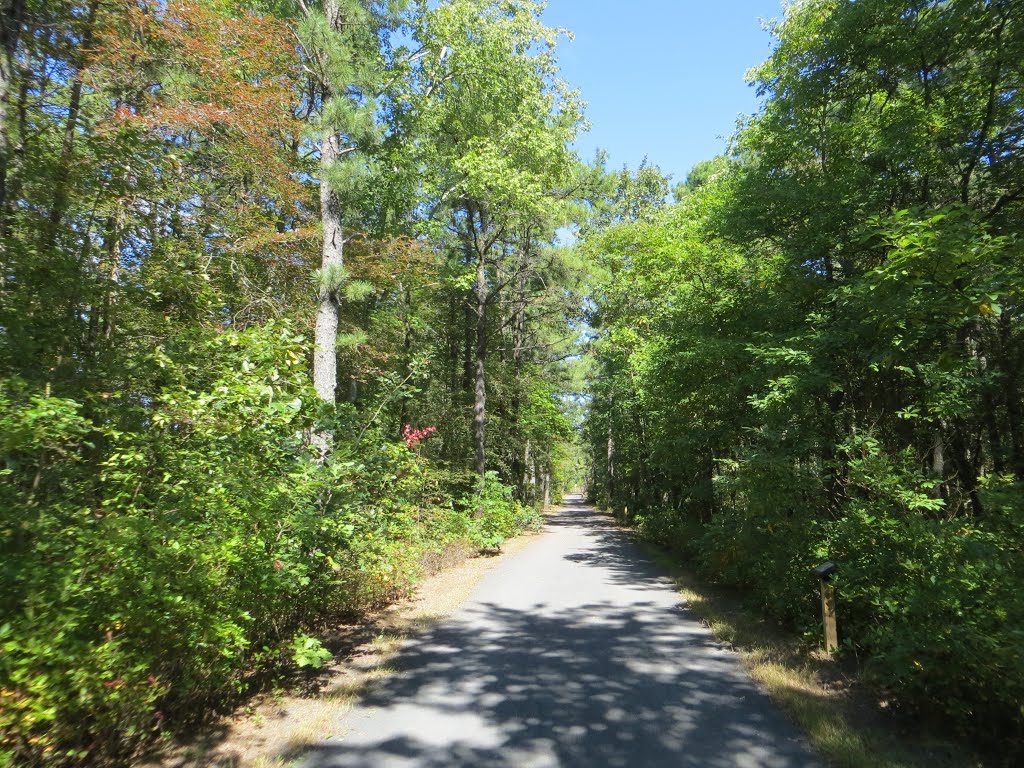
[518,322]
[11,12]
[480,383]
[325,334]
[325,354]
[63,176]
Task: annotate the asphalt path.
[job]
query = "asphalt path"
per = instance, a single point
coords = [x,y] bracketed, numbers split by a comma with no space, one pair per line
[576,651]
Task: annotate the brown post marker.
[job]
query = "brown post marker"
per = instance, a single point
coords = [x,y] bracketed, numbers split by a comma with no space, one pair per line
[828,604]
[828,616]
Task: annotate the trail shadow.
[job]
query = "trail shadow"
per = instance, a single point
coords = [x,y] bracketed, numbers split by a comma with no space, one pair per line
[602,683]
[593,686]
[606,546]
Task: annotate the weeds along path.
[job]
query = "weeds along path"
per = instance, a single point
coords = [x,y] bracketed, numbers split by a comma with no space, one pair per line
[574,652]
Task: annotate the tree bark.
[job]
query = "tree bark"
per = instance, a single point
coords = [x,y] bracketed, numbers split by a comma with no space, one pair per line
[454,350]
[62,180]
[938,461]
[403,418]
[111,273]
[480,383]
[525,477]
[13,170]
[1011,392]
[1015,419]
[468,342]
[611,452]
[325,334]
[325,356]
[11,13]
[15,159]
[518,323]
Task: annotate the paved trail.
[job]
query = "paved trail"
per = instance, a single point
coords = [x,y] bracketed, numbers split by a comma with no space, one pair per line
[574,652]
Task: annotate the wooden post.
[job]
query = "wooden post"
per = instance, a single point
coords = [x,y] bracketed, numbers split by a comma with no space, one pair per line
[828,615]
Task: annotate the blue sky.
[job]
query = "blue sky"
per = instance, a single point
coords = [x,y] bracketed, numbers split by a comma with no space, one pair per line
[662,78]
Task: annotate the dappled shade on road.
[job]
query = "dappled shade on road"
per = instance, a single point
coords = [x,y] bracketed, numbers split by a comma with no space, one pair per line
[574,653]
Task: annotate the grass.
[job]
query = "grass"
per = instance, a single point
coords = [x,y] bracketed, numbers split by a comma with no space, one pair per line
[272,762]
[840,718]
[347,693]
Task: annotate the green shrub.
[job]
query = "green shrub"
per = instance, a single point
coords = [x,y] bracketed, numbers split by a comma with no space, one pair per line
[497,514]
[938,606]
[159,554]
[935,604]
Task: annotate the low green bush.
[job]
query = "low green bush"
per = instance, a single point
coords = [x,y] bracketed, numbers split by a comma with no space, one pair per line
[162,555]
[937,604]
[497,515]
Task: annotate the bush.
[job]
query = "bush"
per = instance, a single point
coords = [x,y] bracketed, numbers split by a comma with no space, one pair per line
[160,554]
[497,515]
[938,606]
[934,604]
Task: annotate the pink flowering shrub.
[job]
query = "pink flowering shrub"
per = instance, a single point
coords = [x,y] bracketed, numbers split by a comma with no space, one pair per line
[413,437]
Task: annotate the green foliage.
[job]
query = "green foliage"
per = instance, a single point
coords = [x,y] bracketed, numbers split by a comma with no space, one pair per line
[201,547]
[497,515]
[937,603]
[308,652]
[816,351]
[169,540]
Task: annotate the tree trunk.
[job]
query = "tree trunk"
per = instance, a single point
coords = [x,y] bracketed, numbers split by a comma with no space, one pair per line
[325,335]
[518,323]
[966,467]
[62,180]
[13,164]
[965,453]
[11,12]
[1011,391]
[1015,423]
[325,355]
[938,463]
[468,342]
[111,273]
[525,477]
[453,349]
[480,387]
[611,453]
[403,417]
[15,159]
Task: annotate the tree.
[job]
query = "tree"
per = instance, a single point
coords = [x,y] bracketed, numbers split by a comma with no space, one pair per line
[175,172]
[815,352]
[343,43]
[11,13]
[492,126]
